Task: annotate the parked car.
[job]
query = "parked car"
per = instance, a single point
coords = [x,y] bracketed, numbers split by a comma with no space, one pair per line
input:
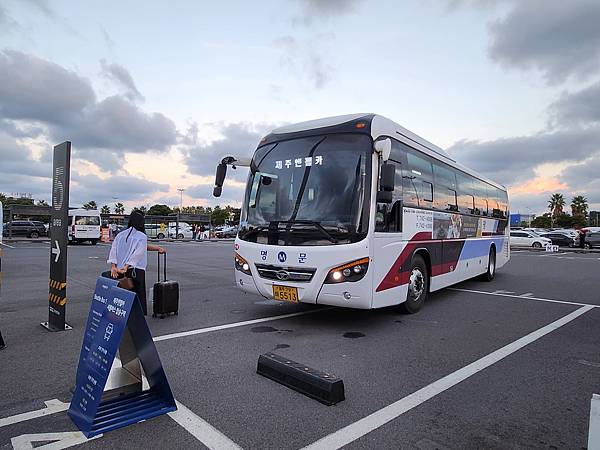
[227,232]
[592,229]
[568,232]
[538,230]
[184,231]
[592,239]
[560,239]
[28,228]
[529,239]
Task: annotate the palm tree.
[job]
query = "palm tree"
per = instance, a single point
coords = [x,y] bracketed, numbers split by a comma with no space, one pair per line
[579,206]
[556,204]
[105,209]
[119,208]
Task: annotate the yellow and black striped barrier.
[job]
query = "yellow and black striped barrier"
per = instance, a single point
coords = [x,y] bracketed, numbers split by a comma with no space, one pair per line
[57,299]
[57,285]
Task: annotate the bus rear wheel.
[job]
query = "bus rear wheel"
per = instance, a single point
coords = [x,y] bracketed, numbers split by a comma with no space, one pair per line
[491,268]
[418,286]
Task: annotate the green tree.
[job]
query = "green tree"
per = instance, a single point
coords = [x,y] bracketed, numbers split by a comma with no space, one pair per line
[105,209]
[6,201]
[159,210]
[119,208]
[90,205]
[541,221]
[143,209]
[556,204]
[579,206]
[42,203]
[219,216]
[564,221]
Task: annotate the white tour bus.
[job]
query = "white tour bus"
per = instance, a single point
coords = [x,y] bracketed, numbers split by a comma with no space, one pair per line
[84,225]
[357,211]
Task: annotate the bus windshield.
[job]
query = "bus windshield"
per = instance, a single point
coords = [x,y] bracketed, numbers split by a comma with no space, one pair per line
[309,191]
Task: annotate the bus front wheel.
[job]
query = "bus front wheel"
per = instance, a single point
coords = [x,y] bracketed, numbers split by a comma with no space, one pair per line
[418,286]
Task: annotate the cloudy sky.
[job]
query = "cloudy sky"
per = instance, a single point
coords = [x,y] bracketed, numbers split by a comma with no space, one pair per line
[153,93]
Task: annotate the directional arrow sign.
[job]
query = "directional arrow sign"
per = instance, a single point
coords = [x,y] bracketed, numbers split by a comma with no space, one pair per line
[59,231]
[56,251]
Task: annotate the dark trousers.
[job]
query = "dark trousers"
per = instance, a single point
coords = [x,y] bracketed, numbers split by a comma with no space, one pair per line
[139,285]
[2,344]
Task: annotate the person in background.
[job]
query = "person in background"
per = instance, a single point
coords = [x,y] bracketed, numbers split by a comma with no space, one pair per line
[581,238]
[2,344]
[194,231]
[129,255]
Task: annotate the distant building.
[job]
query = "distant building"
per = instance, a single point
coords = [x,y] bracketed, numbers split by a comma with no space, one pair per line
[516,220]
[594,218]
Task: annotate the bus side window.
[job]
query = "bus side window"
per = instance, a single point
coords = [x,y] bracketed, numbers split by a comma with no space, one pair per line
[417,181]
[466,198]
[494,207]
[502,202]
[481,207]
[445,188]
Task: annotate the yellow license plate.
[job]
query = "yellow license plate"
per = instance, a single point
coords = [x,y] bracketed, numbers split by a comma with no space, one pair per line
[285,293]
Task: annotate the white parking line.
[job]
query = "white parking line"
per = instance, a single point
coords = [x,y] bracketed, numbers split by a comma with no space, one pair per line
[165,337]
[373,421]
[58,441]
[6,245]
[202,430]
[52,407]
[525,296]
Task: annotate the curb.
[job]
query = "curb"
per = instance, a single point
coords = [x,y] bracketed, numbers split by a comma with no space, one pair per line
[561,249]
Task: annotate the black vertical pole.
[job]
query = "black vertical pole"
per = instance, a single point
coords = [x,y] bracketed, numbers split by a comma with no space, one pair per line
[57,291]
[2,344]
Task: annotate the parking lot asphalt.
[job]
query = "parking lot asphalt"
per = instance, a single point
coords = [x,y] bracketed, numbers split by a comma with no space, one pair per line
[507,364]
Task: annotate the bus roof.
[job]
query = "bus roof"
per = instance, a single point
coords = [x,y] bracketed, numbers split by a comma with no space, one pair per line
[379,126]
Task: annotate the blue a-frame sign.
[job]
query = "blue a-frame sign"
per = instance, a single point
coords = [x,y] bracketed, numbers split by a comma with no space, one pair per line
[102,401]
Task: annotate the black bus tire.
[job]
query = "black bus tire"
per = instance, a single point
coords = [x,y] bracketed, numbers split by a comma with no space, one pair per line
[418,286]
[491,267]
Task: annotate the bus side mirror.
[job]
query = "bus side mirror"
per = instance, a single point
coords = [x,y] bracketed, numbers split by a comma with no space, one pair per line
[388,175]
[220,179]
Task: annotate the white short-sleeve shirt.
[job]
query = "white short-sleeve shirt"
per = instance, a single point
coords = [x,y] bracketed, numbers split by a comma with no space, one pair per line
[129,247]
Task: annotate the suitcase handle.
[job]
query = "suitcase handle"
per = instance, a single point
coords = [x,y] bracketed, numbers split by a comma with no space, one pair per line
[164,269]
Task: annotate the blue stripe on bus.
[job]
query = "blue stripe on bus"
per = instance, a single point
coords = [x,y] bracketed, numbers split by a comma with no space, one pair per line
[475,248]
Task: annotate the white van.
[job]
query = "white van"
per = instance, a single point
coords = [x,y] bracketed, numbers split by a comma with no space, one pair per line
[84,225]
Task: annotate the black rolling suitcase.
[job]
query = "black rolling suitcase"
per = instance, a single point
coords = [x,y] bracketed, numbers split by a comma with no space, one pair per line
[166,294]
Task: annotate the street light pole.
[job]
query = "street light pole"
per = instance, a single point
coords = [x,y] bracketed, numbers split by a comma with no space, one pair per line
[180,198]
[180,211]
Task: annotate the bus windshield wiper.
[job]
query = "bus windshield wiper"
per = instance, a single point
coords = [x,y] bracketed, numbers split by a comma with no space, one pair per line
[317,225]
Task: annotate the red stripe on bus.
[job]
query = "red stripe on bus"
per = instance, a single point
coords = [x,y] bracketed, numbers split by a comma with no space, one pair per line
[396,277]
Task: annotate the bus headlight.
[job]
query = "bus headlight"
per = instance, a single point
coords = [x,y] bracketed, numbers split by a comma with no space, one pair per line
[353,271]
[241,264]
